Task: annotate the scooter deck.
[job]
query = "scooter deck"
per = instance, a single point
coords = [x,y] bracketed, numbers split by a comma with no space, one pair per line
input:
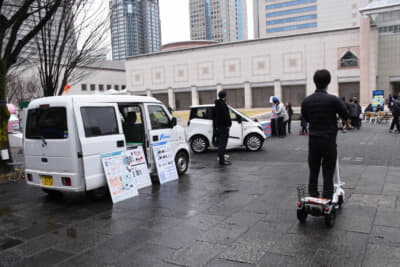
[316,200]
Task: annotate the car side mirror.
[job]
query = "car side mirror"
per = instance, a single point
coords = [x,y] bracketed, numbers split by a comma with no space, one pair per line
[239,119]
[256,120]
[173,122]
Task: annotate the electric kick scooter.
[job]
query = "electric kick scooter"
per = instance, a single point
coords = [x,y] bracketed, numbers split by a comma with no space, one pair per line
[316,206]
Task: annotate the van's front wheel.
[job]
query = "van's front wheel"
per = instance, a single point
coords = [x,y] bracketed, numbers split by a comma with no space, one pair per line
[182,162]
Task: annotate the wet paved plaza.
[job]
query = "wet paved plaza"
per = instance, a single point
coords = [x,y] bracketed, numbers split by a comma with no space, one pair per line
[240,215]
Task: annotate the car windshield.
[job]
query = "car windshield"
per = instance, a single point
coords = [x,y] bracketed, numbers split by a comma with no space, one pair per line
[47,123]
[240,113]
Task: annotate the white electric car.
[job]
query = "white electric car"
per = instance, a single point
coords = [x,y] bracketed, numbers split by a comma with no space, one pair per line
[244,131]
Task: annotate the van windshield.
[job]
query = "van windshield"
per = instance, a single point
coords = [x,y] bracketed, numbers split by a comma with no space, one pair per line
[48,123]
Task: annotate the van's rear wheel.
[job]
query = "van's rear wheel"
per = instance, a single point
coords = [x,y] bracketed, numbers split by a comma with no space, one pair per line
[97,194]
[182,162]
[199,144]
[253,142]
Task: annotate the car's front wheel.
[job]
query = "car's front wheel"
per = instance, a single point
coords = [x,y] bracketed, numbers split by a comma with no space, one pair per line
[253,142]
[199,144]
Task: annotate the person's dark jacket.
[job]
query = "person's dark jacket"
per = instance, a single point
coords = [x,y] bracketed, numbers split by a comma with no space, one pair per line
[320,109]
[396,107]
[359,110]
[353,110]
[222,116]
[289,112]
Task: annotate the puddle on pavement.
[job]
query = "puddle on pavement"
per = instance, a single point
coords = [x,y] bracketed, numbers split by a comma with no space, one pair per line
[9,243]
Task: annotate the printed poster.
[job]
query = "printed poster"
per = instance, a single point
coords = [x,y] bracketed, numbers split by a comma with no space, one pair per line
[165,162]
[135,161]
[119,177]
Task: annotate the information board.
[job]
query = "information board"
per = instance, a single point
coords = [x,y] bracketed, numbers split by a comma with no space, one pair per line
[136,161]
[119,176]
[165,162]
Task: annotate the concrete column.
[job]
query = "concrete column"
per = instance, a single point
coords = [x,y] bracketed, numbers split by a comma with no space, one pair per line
[148,92]
[277,89]
[219,88]
[248,97]
[365,32]
[171,98]
[195,96]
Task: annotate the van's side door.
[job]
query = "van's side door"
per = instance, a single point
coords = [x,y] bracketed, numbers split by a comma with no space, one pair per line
[100,132]
[160,125]
[236,131]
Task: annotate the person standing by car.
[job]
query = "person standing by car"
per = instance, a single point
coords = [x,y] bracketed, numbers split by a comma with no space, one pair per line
[289,111]
[222,125]
[320,110]
[359,111]
[281,115]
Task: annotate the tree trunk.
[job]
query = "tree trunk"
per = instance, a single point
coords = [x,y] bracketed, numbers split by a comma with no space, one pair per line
[4,116]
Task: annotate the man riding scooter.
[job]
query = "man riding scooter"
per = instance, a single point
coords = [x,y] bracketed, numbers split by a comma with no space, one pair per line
[320,110]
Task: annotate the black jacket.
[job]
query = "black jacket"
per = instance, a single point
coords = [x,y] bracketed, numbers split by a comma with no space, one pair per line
[320,109]
[222,117]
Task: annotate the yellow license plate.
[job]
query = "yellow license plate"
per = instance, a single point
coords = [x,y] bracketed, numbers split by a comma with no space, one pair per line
[47,180]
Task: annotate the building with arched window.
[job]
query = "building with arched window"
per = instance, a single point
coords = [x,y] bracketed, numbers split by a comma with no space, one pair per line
[361,59]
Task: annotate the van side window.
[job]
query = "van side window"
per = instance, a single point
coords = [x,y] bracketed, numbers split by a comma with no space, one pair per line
[99,121]
[158,118]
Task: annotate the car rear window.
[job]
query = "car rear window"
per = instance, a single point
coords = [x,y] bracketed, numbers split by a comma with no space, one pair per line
[48,123]
[99,121]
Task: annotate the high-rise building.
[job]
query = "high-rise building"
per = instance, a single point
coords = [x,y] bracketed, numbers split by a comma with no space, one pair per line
[135,27]
[282,17]
[218,20]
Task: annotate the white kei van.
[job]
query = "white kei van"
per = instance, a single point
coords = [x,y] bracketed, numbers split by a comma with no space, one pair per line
[65,136]
[244,131]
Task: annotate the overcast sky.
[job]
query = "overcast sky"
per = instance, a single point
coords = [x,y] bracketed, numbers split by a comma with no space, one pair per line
[174,16]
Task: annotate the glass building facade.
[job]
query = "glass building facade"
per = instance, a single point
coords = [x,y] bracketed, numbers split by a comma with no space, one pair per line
[218,20]
[135,27]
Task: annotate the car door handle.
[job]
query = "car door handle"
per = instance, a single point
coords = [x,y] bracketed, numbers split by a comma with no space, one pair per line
[155,138]
[120,143]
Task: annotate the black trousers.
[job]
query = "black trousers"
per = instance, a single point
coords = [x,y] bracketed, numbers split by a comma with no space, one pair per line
[322,151]
[395,122]
[289,122]
[223,135]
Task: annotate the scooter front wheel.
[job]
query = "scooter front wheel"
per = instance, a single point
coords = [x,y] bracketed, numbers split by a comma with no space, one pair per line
[330,218]
[302,215]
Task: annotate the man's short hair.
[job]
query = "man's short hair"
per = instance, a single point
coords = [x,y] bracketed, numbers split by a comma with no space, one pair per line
[322,78]
[222,94]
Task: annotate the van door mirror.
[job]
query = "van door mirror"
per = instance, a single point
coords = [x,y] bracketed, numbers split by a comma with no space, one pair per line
[173,122]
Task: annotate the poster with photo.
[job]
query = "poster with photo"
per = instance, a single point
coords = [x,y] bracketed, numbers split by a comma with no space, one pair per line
[165,162]
[119,177]
[135,160]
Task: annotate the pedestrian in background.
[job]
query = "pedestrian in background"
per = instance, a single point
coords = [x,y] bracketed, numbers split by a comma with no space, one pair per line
[281,116]
[320,110]
[359,111]
[303,124]
[395,113]
[353,113]
[346,123]
[223,123]
[289,111]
